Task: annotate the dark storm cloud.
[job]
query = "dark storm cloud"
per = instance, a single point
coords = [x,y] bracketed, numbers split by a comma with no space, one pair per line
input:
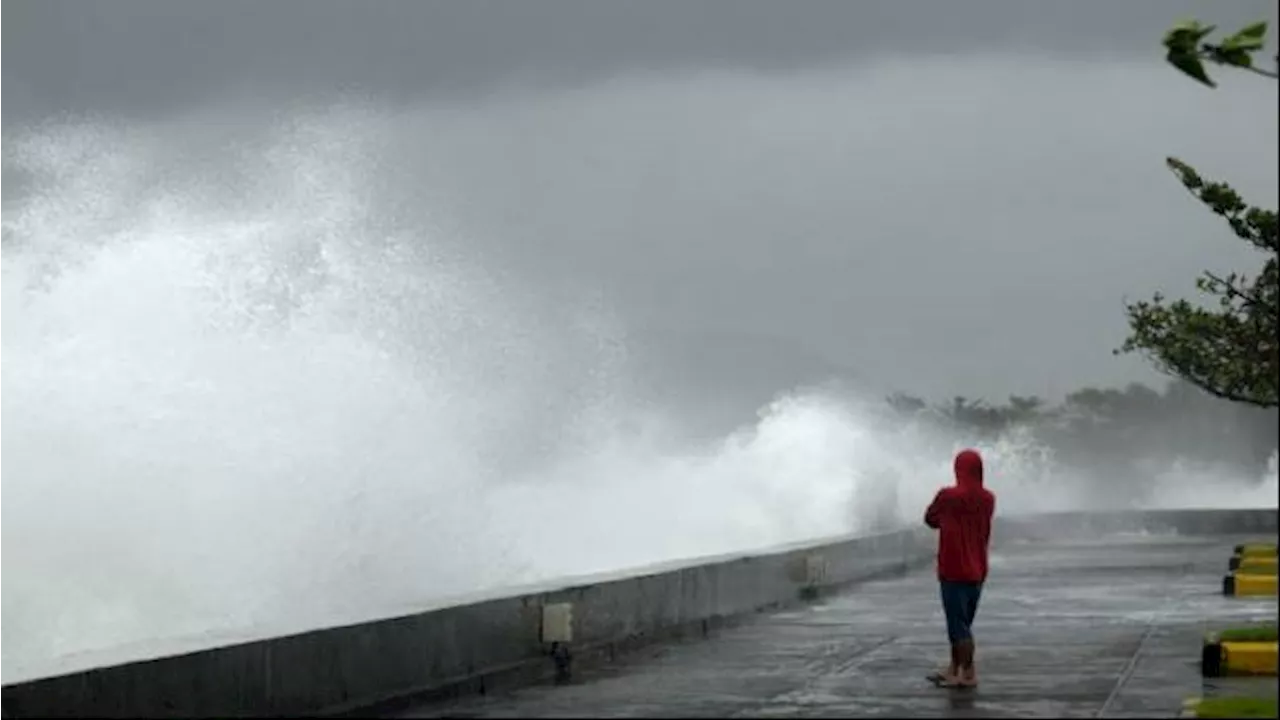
[144,56]
[765,193]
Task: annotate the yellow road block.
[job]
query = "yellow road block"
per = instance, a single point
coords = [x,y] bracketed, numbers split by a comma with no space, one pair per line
[1250,658]
[1256,549]
[1253,564]
[1228,657]
[1239,584]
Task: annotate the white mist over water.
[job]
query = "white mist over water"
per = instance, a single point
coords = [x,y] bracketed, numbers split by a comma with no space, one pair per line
[241,390]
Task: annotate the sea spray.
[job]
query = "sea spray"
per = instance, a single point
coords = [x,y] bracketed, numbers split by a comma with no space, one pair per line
[242,390]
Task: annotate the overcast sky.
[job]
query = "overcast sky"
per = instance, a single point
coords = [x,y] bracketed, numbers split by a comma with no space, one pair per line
[141,56]
[947,197]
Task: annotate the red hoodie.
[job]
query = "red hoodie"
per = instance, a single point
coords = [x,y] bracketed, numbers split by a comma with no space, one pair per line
[962,516]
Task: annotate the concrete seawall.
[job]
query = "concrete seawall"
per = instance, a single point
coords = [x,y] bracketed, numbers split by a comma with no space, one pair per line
[1183,522]
[528,635]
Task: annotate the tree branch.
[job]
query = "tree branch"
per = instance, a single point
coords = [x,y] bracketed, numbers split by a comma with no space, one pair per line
[1173,372]
[1264,73]
[1206,381]
[1212,53]
[1249,299]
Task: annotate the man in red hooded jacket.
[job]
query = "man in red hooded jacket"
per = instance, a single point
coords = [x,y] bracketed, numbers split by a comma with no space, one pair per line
[962,515]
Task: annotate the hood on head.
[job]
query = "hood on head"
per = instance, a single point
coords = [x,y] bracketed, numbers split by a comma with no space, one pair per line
[968,467]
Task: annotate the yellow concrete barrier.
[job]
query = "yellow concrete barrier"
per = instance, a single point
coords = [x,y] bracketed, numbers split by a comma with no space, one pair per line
[1238,584]
[1253,564]
[1256,549]
[1228,657]
[1251,658]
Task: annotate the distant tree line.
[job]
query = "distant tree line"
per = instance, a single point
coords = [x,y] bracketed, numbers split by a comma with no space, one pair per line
[1111,427]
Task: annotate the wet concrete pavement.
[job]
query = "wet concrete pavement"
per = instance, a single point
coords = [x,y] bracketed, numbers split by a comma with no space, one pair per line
[1106,628]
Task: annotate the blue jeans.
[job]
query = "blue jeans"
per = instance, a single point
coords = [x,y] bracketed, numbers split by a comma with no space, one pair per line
[960,605]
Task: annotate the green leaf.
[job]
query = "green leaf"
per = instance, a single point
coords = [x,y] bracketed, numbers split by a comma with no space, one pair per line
[1232,56]
[1248,39]
[1192,27]
[1186,173]
[1185,35]
[1190,64]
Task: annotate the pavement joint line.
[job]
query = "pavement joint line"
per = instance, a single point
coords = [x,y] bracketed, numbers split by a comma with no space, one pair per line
[1127,671]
